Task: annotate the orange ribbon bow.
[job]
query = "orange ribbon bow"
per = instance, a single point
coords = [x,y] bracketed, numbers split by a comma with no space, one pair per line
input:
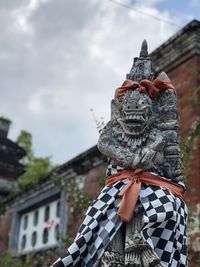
[145,86]
[130,192]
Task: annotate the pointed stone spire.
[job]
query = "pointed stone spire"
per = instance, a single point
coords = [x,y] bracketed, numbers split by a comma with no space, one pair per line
[142,66]
[144,49]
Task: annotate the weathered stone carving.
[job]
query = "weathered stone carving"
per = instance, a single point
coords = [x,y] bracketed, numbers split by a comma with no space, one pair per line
[128,247]
[142,133]
[141,68]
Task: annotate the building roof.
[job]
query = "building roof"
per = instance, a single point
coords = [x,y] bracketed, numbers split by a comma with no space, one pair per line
[178,48]
[76,166]
[10,154]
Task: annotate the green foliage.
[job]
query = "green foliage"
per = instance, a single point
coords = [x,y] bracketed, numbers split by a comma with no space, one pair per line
[25,141]
[35,259]
[79,199]
[190,145]
[36,167]
[66,240]
[194,98]
[7,260]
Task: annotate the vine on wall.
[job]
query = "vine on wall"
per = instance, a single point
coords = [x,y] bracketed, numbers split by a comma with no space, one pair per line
[189,146]
[78,199]
[192,141]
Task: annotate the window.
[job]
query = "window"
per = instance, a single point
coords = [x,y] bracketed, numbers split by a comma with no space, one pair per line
[35,220]
[57,232]
[45,236]
[25,223]
[39,228]
[46,214]
[23,242]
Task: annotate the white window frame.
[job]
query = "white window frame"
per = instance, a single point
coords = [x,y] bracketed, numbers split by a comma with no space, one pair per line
[27,205]
[50,226]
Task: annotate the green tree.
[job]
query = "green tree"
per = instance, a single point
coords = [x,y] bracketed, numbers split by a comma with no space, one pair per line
[36,167]
[25,141]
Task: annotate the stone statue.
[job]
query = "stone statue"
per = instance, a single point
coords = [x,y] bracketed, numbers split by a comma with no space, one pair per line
[139,218]
[142,131]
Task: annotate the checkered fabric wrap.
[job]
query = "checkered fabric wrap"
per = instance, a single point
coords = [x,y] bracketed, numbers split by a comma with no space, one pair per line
[164,227]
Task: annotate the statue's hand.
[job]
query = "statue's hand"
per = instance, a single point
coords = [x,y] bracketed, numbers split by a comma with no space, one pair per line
[147,156]
[136,161]
[145,159]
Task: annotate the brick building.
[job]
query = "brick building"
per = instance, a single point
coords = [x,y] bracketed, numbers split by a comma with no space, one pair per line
[36,218]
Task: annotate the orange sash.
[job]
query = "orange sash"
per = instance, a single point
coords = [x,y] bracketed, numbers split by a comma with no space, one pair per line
[130,192]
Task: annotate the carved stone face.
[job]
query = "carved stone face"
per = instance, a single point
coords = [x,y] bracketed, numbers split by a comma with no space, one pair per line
[136,112]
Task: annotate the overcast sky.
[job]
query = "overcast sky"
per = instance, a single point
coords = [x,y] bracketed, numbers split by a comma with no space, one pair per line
[60,58]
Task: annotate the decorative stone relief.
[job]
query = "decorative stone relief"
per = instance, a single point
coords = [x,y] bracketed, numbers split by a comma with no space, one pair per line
[142,133]
[129,249]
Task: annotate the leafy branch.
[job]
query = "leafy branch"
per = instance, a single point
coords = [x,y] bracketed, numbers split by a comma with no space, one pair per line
[79,199]
[190,145]
[36,167]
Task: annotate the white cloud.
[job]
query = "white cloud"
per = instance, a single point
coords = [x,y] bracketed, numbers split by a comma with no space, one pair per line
[64,58]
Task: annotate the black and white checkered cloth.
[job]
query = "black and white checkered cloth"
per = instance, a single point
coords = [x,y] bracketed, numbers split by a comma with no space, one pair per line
[164,226]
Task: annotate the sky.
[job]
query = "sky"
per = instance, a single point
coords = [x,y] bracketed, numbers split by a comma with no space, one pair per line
[61,58]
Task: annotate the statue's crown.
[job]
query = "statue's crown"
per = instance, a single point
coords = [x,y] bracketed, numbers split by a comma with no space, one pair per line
[142,66]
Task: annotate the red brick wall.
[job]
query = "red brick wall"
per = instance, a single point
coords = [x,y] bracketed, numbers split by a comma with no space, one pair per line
[186,78]
[5,226]
[91,188]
